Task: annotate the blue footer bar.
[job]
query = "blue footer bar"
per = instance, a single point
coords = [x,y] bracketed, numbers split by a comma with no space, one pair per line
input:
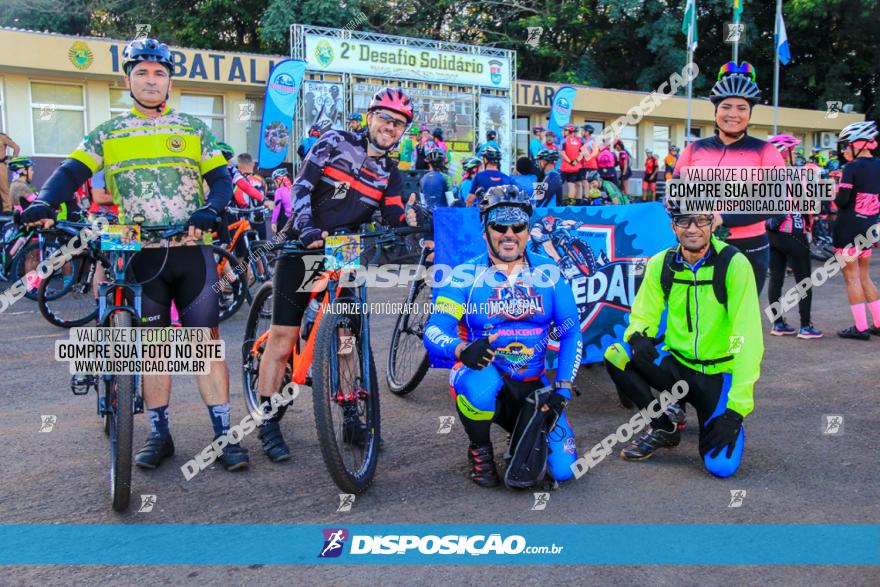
[224,544]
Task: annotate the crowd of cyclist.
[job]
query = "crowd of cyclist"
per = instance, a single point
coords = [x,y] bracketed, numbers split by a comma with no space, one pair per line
[347,177]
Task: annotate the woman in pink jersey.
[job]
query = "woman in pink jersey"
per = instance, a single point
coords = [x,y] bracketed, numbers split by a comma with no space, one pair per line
[858,209]
[790,246]
[734,95]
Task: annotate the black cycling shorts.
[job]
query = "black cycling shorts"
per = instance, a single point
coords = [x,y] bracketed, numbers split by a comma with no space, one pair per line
[569,176]
[187,279]
[288,303]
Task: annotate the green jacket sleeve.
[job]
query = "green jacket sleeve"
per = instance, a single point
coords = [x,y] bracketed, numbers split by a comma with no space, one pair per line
[649,304]
[746,334]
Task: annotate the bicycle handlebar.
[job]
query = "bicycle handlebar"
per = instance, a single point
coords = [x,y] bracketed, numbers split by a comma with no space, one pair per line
[296,247]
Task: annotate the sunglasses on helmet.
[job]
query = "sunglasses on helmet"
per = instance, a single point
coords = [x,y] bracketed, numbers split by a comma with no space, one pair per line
[731,67]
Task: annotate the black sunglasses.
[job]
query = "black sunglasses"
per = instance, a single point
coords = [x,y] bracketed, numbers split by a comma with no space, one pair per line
[502,228]
[685,221]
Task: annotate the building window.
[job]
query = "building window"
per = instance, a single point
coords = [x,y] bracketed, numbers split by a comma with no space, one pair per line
[120,101]
[208,109]
[696,134]
[630,137]
[661,140]
[251,112]
[597,125]
[522,136]
[58,118]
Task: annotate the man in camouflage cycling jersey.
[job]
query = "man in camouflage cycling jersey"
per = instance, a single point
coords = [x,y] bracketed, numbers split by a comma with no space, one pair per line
[154,160]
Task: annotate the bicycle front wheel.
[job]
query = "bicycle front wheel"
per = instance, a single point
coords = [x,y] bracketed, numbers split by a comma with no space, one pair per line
[408,357]
[258,322]
[123,390]
[65,298]
[230,282]
[346,403]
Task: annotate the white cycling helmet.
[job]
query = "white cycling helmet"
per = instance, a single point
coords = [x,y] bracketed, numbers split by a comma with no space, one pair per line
[858,131]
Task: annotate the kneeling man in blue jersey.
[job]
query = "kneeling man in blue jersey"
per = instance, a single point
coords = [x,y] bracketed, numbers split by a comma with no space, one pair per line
[506,310]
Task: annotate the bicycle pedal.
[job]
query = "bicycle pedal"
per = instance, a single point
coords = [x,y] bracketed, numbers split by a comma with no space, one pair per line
[82,384]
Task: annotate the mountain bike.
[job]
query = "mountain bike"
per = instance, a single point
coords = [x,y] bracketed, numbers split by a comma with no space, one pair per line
[335,360]
[119,397]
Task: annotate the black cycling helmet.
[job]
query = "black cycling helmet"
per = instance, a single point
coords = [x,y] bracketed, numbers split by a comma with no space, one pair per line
[549,155]
[490,135]
[438,133]
[19,163]
[491,154]
[589,128]
[736,85]
[146,50]
[436,157]
[504,195]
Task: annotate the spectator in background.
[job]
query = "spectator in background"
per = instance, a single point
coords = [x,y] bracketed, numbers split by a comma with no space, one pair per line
[22,191]
[101,201]
[6,143]
[571,162]
[437,135]
[490,142]
[247,167]
[607,162]
[491,174]
[470,167]
[524,176]
[281,212]
[426,143]
[354,123]
[435,185]
[407,149]
[649,182]
[537,142]
[624,161]
[549,191]
[550,140]
[306,144]
[669,161]
[589,150]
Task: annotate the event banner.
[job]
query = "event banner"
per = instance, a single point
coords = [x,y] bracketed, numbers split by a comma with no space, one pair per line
[560,111]
[495,115]
[323,104]
[282,90]
[391,60]
[600,251]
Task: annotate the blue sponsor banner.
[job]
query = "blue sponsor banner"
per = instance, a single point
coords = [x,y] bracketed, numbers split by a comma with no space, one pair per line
[282,91]
[600,251]
[560,110]
[584,544]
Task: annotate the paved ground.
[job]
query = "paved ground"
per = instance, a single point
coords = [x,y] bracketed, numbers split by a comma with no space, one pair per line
[792,472]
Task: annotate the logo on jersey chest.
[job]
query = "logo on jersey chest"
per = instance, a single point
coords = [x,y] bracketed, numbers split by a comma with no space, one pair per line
[340,189]
[175,143]
[515,303]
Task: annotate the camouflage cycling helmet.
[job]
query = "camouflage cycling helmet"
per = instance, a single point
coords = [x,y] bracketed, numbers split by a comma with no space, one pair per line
[471,163]
[504,195]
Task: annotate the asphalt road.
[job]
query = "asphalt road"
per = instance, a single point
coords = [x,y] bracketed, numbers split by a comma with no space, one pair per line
[792,472]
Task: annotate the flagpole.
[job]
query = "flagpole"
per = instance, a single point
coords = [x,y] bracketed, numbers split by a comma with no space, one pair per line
[736,40]
[690,59]
[776,68]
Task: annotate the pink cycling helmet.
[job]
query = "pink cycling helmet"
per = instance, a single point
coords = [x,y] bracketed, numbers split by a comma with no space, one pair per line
[784,141]
[394,100]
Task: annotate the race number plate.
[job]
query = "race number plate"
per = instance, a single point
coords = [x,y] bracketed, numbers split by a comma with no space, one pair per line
[342,252]
[121,237]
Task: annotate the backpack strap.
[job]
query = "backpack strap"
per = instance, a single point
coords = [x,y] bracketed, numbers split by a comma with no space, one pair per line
[719,275]
[667,274]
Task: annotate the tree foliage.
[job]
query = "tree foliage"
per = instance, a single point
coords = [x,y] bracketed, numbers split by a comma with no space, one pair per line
[622,44]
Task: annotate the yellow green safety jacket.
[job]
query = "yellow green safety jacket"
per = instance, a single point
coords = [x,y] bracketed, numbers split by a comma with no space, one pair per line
[702,332]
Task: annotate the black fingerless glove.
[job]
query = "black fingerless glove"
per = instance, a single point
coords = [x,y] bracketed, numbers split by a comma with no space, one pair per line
[723,432]
[478,354]
[36,211]
[310,235]
[205,218]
